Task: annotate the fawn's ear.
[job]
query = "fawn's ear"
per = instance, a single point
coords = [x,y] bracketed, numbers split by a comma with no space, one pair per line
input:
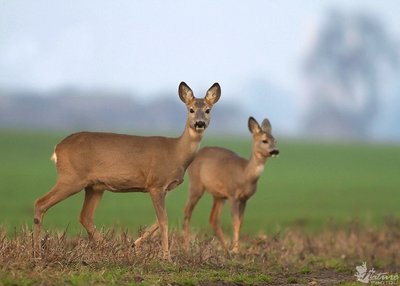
[185,93]
[266,126]
[254,127]
[213,94]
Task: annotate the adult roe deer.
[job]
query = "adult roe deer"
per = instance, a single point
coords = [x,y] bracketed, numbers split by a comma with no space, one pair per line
[96,162]
[227,176]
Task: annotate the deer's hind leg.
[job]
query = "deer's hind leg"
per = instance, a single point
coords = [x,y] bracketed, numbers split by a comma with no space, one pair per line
[214,220]
[196,191]
[92,199]
[149,232]
[59,192]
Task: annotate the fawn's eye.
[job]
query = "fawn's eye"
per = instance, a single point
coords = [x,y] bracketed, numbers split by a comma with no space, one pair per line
[191,110]
[207,111]
[265,141]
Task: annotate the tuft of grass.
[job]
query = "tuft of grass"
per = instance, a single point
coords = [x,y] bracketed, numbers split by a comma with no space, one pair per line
[292,280]
[305,270]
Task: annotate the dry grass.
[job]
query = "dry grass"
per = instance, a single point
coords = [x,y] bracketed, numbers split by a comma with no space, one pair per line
[295,257]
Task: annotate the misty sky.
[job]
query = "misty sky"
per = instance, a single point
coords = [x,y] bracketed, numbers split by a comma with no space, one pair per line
[150,46]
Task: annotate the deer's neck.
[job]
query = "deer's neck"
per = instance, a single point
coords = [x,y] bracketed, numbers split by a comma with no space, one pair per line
[187,145]
[255,167]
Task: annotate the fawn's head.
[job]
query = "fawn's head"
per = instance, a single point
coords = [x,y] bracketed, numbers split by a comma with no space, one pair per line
[264,144]
[199,108]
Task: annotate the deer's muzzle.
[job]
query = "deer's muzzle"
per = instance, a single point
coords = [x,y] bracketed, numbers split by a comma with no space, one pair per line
[274,152]
[200,125]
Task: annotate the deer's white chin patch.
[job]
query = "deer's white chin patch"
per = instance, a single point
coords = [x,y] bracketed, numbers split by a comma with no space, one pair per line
[199,129]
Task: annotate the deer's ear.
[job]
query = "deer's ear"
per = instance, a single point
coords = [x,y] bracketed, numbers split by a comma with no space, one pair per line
[213,94]
[185,93]
[254,127]
[266,126]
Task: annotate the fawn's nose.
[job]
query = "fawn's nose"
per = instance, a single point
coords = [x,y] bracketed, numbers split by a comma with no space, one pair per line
[274,152]
[200,124]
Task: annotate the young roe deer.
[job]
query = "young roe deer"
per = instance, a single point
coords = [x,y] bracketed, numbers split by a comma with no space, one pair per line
[96,162]
[227,176]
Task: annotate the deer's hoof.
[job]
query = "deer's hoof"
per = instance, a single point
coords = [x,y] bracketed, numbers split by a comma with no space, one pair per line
[167,257]
[234,250]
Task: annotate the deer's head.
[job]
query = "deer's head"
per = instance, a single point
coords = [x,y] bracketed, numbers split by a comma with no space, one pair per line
[264,144]
[199,108]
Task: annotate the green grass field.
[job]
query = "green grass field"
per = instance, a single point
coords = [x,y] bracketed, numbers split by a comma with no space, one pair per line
[310,185]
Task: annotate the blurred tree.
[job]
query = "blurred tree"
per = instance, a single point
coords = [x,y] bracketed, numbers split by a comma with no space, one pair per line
[344,73]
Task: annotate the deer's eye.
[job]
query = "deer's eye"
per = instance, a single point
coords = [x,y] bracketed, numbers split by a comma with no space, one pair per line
[265,141]
[207,111]
[191,110]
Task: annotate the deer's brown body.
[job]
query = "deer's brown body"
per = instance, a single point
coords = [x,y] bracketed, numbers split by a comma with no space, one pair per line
[97,162]
[227,176]
[124,163]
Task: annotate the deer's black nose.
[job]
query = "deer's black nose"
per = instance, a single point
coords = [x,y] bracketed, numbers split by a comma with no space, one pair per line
[200,124]
[274,152]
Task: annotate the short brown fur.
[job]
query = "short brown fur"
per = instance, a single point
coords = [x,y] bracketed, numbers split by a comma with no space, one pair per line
[227,176]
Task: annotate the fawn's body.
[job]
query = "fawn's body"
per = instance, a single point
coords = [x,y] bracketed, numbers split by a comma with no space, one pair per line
[227,176]
[97,161]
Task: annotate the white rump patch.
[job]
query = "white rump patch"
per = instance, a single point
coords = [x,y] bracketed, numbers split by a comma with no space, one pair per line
[54,157]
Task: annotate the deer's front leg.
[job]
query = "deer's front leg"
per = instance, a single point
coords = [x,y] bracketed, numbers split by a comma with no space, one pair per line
[237,211]
[158,198]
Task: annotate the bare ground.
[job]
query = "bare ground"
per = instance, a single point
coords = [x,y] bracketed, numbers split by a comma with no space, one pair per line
[295,257]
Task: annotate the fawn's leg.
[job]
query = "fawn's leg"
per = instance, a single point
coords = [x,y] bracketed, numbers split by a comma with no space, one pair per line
[194,196]
[237,211]
[147,233]
[214,220]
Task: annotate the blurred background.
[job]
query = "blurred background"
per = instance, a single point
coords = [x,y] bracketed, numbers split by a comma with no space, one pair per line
[315,68]
[321,71]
